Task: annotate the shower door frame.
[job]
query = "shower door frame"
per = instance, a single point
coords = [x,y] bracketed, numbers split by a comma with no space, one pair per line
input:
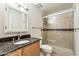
[64,11]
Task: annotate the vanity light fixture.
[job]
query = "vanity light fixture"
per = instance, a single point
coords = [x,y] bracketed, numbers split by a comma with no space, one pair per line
[21,6]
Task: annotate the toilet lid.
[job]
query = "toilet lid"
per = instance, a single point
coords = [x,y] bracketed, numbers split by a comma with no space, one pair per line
[46,47]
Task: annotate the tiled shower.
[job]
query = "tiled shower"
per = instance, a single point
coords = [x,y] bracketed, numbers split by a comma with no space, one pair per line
[58,32]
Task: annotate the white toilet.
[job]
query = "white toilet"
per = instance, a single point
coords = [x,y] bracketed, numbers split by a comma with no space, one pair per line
[46,49]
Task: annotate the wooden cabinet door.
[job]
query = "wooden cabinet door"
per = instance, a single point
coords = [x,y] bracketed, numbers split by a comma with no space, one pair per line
[36,49]
[27,51]
[15,53]
[32,50]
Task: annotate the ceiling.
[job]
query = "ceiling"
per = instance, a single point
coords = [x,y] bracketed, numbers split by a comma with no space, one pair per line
[48,8]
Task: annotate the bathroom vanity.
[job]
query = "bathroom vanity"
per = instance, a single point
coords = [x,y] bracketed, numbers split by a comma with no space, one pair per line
[32,49]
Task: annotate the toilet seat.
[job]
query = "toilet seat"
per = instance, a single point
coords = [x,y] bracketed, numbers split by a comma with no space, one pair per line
[47,47]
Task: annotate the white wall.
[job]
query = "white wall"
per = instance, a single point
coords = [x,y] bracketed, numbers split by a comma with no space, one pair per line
[76,32]
[34,20]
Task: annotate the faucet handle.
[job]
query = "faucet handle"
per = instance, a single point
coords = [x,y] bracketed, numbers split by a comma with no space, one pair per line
[20,35]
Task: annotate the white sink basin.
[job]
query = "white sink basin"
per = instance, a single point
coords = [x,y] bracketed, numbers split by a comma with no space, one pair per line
[21,42]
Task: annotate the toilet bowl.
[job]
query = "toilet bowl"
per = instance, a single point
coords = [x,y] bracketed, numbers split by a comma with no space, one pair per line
[46,49]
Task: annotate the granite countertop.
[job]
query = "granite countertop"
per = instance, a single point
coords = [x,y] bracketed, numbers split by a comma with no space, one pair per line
[7,47]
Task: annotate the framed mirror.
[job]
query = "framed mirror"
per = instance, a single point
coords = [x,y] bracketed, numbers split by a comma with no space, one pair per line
[16,20]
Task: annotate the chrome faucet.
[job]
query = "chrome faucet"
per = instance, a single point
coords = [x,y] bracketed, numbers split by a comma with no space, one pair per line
[19,36]
[13,40]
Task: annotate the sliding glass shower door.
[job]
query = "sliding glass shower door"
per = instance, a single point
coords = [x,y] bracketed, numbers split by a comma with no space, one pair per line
[58,30]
